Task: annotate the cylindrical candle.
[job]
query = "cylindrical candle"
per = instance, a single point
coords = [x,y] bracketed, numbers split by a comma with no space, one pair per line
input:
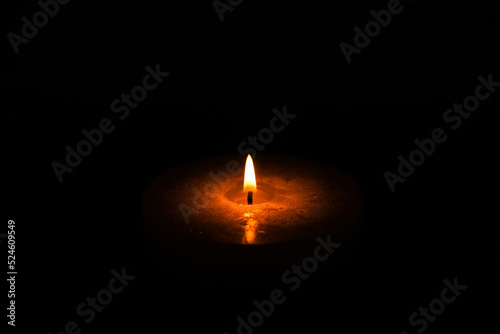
[196,212]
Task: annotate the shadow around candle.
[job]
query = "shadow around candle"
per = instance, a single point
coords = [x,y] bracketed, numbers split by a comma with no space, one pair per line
[263,194]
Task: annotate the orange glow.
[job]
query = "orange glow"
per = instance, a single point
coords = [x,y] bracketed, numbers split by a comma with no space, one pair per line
[249,183]
[250,227]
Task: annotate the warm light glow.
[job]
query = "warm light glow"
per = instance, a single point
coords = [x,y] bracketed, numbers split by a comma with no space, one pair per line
[250,227]
[249,183]
[250,231]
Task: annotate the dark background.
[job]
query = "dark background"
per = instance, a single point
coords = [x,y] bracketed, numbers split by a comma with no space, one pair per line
[225,79]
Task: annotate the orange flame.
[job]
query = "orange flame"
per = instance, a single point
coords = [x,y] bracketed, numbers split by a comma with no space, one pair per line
[249,183]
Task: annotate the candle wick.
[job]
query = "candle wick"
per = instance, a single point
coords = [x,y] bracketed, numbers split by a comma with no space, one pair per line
[250,197]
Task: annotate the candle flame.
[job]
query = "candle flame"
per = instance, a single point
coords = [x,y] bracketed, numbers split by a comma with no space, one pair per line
[249,183]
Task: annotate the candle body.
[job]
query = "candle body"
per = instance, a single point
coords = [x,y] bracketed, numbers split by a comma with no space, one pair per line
[195,208]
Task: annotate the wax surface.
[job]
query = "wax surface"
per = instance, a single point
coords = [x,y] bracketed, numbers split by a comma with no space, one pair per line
[304,200]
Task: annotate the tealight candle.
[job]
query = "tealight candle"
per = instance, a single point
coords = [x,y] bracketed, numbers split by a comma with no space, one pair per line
[202,210]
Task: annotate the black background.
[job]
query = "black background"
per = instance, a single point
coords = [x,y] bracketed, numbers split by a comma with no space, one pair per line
[225,78]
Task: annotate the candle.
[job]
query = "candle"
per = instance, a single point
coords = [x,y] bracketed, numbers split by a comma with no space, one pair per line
[200,211]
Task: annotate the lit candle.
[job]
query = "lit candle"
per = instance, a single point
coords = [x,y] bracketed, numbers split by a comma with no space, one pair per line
[201,210]
[248,193]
